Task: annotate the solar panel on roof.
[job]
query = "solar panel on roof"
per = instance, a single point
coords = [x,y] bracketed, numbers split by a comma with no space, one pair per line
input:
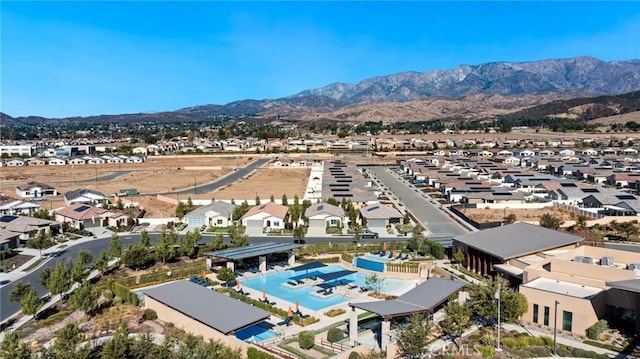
[590,190]
[81,209]
[568,184]
[7,219]
[372,208]
[625,196]
[320,207]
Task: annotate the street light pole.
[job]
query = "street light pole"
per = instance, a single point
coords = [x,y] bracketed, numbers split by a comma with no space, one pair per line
[555,323]
[195,189]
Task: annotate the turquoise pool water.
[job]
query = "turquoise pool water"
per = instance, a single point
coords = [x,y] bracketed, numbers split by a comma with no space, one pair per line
[256,333]
[275,286]
[376,258]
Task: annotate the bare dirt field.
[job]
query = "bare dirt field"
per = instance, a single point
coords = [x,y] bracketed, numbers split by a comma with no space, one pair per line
[624,118]
[158,174]
[265,183]
[528,215]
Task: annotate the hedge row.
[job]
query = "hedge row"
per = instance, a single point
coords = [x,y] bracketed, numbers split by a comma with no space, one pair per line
[123,292]
[162,276]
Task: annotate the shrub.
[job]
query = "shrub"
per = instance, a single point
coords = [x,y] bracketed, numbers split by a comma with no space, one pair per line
[253,353]
[594,331]
[306,339]
[548,341]
[509,342]
[488,339]
[581,353]
[149,314]
[334,335]
[522,342]
[355,355]
[540,352]
[487,351]
[536,342]
[335,312]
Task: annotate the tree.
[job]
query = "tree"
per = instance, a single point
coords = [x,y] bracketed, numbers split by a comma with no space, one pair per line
[40,242]
[285,201]
[67,340]
[272,199]
[257,200]
[581,222]
[12,348]
[299,232]
[375,281]
[145,241]
[103,261]
[115,246]
[165,249]
[180,211]
[85,297]
[483,303]
[225,275]
[137,257]
[78,270]
[459,256]
[119,346]
[510,218]
[413,339]
[189,242]
[457,318]
[60,279]
[550,221]
[85,257]
[20,289]
[626,228]
[217,242]
[238,236]
[120,204]
[43,279]
[30,303]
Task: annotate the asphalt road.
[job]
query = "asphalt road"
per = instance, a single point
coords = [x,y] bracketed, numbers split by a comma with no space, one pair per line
[438,223]
[234,176]
[108,177]
[8,309]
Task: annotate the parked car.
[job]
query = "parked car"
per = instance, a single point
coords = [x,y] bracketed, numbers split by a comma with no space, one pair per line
[368,234]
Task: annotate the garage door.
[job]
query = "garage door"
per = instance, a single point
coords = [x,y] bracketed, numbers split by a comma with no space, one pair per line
[377,223]
[195,221]
[254,227]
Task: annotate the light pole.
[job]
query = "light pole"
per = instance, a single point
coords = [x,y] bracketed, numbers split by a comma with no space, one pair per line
[555,323]
[195,189]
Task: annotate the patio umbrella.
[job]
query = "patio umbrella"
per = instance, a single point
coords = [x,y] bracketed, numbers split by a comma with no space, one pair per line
[264,293]
[384,246]
[238,283]
[290,312]
[297,306]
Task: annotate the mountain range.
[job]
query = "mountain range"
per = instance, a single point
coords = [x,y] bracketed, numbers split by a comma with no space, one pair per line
[468,91]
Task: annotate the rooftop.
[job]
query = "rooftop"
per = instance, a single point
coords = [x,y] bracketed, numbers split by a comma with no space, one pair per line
[208,307]
[517,239]
[564,288]
[253,250]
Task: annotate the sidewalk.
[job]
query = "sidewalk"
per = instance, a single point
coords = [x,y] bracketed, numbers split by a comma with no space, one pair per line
[47,254]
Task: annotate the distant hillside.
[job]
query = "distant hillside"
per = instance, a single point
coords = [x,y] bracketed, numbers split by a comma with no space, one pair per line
[582,109]
[499,89]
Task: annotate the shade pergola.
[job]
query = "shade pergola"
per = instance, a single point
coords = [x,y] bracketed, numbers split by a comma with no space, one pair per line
[421,299]
[307,266]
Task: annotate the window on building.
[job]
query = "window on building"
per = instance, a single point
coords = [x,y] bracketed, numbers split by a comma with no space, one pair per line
[219,221]
[535,313]
[334,222]
[567,318]
[276,224]
[546,316]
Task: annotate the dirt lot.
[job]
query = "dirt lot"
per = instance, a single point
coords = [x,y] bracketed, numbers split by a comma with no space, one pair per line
[266,182]
[529,215]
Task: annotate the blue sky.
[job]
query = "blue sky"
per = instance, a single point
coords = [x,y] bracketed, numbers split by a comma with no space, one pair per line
[74,58]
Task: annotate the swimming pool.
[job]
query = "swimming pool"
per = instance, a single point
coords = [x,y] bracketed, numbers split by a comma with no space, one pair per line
[256,333]
[275,286]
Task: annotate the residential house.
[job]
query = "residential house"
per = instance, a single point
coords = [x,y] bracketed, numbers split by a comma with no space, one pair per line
[86,196]
[56,162]
[35,189]
[27,227]
[323,215]
[216,214]
[269,215]
[378,215]
[14,206]
[82,216]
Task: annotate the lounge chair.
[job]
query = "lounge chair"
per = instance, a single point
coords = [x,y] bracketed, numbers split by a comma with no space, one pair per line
[390,255]
[383,253]
[299,281]
[364,289]
[406,256]
[321,291]
[399,256]
[353,286]
[328,291]
[293,283]
[286,321]
[302,316]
